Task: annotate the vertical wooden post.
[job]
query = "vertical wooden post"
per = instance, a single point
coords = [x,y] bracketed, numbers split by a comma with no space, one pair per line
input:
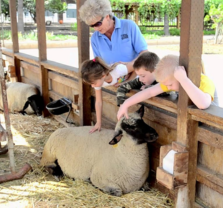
[190,57]
[83,54]
[15,40]
[14,28]
[41,31]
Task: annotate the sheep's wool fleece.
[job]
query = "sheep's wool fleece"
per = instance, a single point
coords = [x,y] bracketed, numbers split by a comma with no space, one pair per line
[17,94]
[89,156]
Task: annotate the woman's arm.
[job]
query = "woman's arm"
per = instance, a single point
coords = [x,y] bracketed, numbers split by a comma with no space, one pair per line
[137,98]
[98,109]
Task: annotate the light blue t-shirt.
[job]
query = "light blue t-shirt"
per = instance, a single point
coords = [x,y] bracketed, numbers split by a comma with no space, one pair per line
[125,45]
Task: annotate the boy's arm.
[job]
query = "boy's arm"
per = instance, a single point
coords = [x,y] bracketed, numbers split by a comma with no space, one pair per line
[137,98]
[125,88]
[201,99]
[98,109]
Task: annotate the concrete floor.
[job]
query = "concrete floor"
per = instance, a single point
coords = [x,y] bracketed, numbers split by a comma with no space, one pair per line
[69,56]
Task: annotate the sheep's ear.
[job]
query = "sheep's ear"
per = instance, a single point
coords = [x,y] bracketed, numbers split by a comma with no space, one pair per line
[116,138]
[141,111]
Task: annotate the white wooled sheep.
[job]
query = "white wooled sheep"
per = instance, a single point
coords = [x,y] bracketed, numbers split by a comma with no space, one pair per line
[117,162]
[21,97]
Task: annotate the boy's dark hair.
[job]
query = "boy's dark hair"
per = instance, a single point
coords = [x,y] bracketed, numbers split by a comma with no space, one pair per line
[148,60]
[92,70]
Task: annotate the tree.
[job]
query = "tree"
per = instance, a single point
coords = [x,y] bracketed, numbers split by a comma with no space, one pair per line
[5,7]
[55,6]
[30,6]
[216,14]
[152,9]
[20,16]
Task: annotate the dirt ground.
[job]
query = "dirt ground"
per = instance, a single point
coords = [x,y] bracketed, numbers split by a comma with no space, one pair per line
[38,189]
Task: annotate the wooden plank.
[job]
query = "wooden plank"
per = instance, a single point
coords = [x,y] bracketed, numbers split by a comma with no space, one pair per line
[210,179]
[30,67]
[83,54]
[163,152]
[44,88]
[212,116]
[207,197]
[61,68]
[210,136]
[9,60]
[164,178]
[8,52]
[168,103]
[180,168]
[29,81]
[63,80]
[41,30]
[14,29]
[28,58]
[210,123]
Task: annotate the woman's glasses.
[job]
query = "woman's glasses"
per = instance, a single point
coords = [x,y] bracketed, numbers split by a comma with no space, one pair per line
[97,24]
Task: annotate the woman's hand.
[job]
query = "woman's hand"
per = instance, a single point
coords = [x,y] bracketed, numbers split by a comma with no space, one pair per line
[95,128]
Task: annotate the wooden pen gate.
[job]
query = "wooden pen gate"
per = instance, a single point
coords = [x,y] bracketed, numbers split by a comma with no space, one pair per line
[197,135]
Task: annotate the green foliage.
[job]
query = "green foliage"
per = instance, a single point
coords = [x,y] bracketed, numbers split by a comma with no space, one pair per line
[5,35]
[174,32]
[74,26]
[209,32]
[151,36]
[5,7]
[55,6]
[149,10]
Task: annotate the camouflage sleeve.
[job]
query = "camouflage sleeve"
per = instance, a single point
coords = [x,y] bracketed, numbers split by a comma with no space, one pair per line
[125,88]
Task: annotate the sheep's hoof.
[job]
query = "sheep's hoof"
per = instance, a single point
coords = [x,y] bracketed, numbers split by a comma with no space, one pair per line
[113,191]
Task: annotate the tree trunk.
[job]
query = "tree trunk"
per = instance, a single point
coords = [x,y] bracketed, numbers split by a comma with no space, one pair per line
[166,25]
[217,32]
[20,16]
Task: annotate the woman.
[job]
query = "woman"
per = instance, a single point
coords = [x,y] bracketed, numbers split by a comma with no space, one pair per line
[114,40]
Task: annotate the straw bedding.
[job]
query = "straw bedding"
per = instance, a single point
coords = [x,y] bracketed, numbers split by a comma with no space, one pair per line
[39,189]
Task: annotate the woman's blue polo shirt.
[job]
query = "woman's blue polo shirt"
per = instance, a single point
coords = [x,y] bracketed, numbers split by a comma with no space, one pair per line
[125,45]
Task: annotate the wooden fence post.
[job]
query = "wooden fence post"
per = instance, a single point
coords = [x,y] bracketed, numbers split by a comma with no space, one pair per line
[83,54]
[191,41]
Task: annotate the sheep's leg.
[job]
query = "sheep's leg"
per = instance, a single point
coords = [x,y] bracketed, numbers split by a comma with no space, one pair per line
[55,170]
[112,190]
[106,185]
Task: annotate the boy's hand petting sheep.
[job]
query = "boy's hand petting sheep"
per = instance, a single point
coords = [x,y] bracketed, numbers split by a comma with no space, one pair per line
[123,111]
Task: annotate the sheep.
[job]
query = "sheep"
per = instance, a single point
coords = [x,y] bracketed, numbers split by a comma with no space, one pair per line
[117,169]
[20,96]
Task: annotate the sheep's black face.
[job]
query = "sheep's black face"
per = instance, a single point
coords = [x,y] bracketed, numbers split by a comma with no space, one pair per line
[36,103]
[139,130]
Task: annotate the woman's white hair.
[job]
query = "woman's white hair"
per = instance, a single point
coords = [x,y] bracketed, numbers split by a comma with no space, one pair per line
[92,9]
[166,67]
